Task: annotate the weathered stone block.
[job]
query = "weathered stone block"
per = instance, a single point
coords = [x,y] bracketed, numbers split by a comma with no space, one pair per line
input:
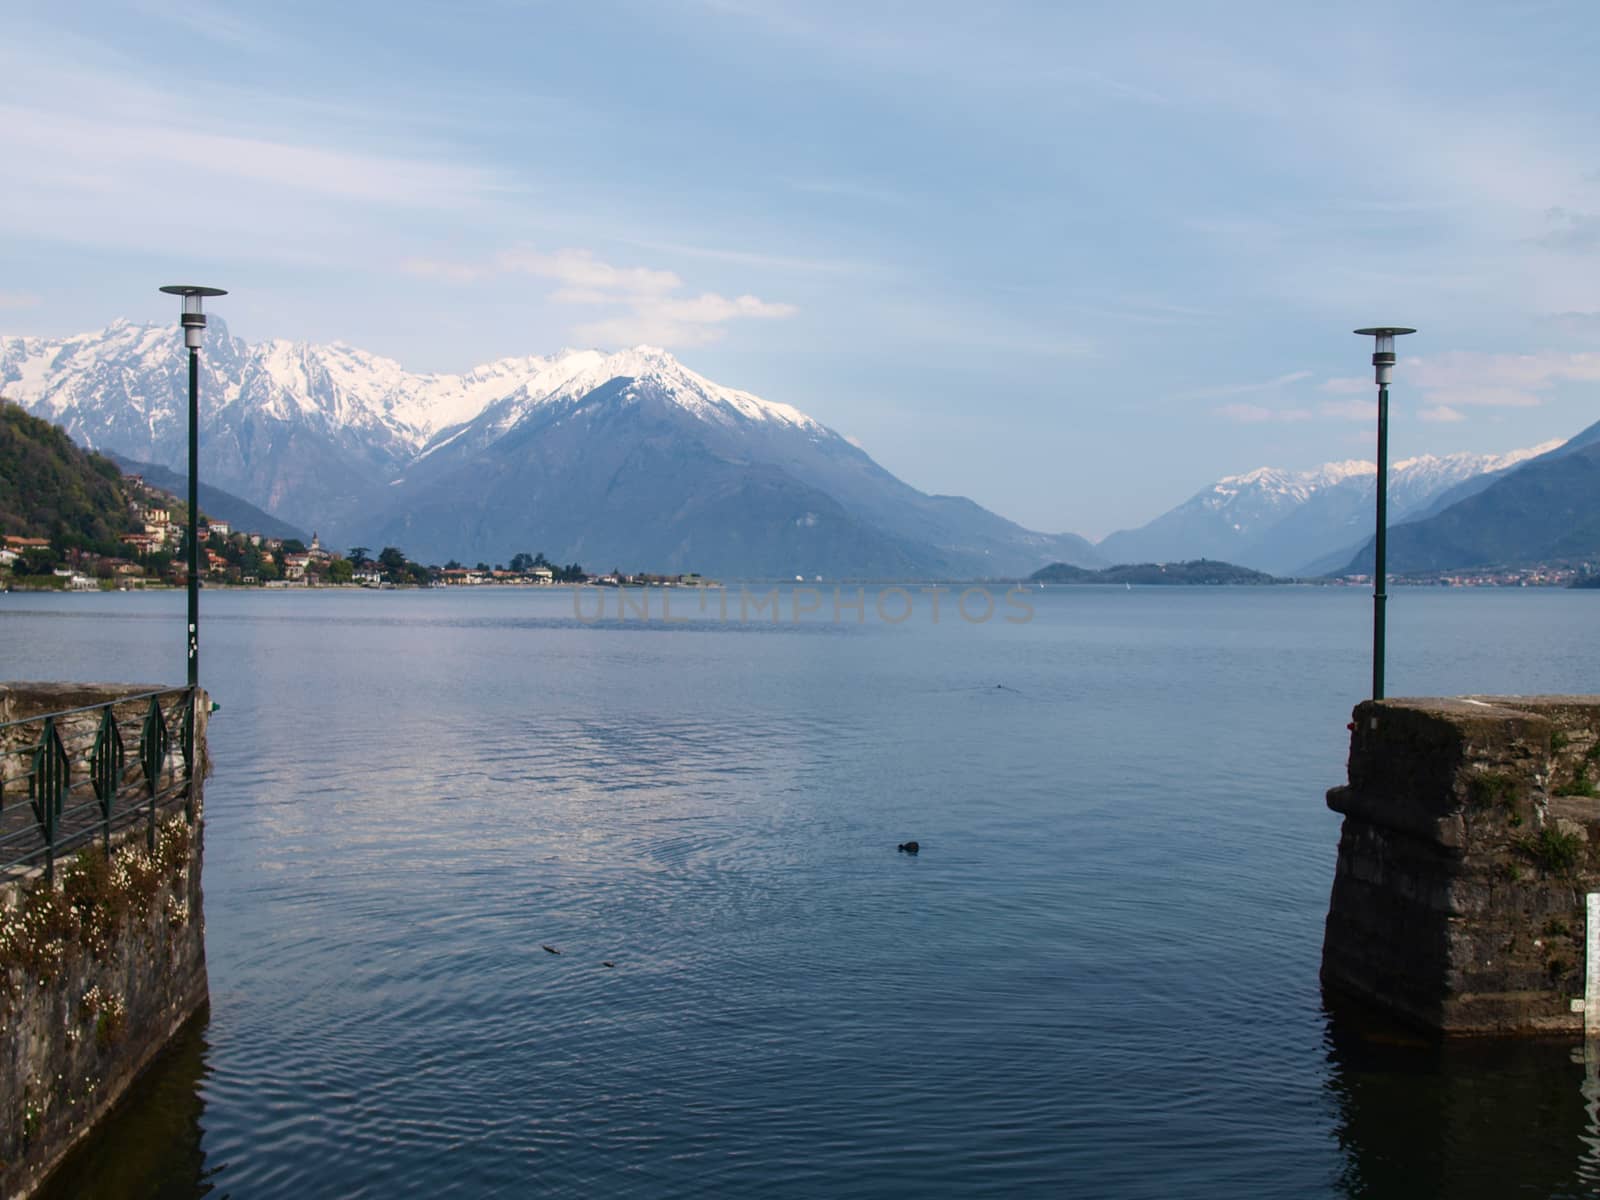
[1470,838]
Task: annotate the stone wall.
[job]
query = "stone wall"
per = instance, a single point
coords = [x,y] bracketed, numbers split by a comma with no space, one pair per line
[99,968]
[1471,836]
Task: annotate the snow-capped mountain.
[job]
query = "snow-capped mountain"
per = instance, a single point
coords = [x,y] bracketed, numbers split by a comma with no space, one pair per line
[1283,521]
[626,459]
[307,432]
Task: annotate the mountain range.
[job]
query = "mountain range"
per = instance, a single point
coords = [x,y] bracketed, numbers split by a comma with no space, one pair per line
[627,459]
[633,461]
[1546,509]
[1305,523]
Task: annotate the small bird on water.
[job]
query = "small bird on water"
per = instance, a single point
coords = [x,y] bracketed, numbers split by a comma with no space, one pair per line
[908,847]
[551,950]
[608,964]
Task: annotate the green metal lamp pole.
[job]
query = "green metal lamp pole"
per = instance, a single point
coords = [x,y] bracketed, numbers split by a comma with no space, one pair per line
[1383,361]
[193,322]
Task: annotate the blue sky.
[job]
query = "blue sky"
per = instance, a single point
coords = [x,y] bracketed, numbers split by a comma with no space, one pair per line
[1072,261]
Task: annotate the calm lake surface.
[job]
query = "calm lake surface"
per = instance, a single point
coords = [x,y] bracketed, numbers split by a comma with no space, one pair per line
[1098,978]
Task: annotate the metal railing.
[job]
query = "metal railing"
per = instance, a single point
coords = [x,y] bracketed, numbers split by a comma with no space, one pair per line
[70,777]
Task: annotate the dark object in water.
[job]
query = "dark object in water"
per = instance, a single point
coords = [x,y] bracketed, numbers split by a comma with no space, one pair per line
[551,950]
[608,964]
[909,847]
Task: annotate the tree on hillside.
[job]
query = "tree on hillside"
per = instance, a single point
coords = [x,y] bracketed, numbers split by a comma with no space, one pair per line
[37,561]
[51,488]
[359,555]
[394,564]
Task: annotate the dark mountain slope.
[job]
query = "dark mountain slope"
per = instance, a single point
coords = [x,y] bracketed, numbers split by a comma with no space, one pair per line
[1546,509]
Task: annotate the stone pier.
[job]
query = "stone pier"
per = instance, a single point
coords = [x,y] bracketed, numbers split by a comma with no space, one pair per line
[1471,838]
[102,958]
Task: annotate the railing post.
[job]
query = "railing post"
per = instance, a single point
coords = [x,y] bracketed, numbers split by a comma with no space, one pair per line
[191,702]
[106,764]
[47,783]
[153,747]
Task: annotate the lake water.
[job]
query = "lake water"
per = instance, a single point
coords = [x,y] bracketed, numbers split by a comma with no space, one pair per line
[1098,978]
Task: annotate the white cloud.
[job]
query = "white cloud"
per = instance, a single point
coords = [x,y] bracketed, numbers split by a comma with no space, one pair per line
[1449,383]
[1348,385]
[651,311]
[1351,410]
[710,308]
[1472,379]
[582,271]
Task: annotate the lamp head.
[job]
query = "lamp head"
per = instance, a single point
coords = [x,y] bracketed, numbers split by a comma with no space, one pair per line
[193,318]
[1383,347]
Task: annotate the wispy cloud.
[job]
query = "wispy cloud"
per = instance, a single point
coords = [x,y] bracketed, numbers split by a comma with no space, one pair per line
[651,305]
[1348,410]
[1584,325]
[18,300]
[120,149]
[1255,414]
[1347,385]
[1466,379]
[1243,389]
[1460,380]
[1573,232]
[760,260]
[210,21]
[847,189]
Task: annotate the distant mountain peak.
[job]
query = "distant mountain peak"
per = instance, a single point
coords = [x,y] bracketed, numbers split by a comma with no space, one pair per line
[1278,520]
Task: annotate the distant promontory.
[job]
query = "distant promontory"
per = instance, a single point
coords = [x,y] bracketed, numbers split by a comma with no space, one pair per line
[1198,572]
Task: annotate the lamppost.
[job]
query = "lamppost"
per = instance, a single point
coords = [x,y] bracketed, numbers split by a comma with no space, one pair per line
[1383,361]
[193,322]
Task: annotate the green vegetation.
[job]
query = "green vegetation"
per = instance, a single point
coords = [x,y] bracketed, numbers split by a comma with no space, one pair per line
[93,898]
[1488,788]
[1556,852]
[1199,572]
[1508,872]
[49,488]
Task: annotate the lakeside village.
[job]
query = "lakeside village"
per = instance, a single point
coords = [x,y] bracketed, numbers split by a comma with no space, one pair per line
[152,555]
[1556,575]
